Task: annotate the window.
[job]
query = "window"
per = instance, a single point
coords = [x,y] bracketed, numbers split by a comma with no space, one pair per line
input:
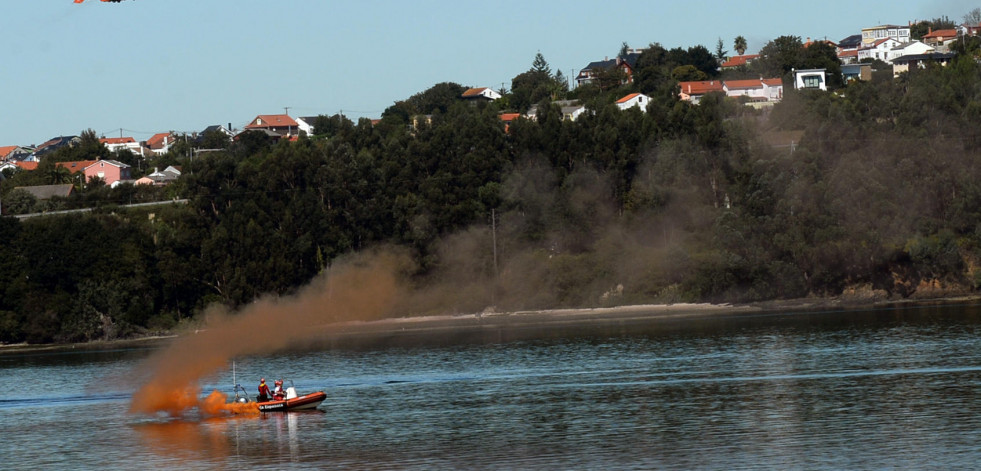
[812,81]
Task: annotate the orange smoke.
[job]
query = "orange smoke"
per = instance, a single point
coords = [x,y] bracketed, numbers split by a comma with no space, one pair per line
[364,288]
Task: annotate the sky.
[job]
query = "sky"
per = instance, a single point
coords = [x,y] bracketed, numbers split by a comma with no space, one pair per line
[141,67]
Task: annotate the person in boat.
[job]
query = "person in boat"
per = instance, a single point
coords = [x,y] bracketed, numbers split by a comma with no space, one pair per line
[263,391]
[278,393]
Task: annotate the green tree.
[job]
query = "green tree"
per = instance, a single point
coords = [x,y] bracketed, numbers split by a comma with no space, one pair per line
[721,54]
[739,44]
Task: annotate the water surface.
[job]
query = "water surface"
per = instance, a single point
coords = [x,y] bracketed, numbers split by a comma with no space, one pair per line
[890,388]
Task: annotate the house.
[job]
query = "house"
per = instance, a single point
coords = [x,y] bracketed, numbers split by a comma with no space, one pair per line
[912,61]
[694,91]
[739,61]
[570,109]
[875,33]
[45,192]
[940,38]
[14,153]
[116,144]
[881,50]
[851,72]
[160,177]
[17,165]
[56,143]
[851,43]
[910,48]
[848,57]
[281,124]
[626,63]
[756,90]
[508,118]
[968,30]
[810,79]
[638,100]
[76,166]
[160,142]
[110,171]
[480,94]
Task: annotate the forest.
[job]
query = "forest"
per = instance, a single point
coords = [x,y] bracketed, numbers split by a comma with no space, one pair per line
[878,192]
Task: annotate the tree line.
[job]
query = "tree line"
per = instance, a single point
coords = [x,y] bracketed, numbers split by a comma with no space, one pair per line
[669,204]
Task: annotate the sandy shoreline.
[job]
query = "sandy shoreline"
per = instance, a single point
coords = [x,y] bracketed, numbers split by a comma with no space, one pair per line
[474,324]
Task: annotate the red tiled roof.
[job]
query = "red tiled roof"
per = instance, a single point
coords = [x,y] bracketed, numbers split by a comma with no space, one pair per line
[628,98]
[5,151]
[156,141]
[117,140]
[26,165]
[473,92]
[941,34]
[701,87]
[846,54]
[736,61]
[773,82]
[271,121]
[509,116]
[749,83]
[76,166]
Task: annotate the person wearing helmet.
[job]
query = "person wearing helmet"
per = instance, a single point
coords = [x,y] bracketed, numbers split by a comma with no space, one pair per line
[263,391]
[278,393]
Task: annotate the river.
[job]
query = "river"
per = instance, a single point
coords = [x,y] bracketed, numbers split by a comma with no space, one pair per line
[891,388]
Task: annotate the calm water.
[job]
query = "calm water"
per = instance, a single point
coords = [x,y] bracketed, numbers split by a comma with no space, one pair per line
[885,389]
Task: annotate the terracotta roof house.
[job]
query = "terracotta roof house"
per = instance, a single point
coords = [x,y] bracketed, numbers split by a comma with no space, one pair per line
[13,153]
[110,171]
[19,165]
[739,61]
[115,144]
[694,91]
[940,37]
[160,142]
[508,118]
[757,90]
[482,93]
[76,166]
[634,99]
[570,109]
[278,123]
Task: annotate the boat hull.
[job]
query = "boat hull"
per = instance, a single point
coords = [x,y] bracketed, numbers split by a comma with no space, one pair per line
[305,402]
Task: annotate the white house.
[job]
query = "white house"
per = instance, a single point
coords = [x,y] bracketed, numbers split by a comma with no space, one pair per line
[810,79]
[759,90]
[634,99]
[910,49]
[875,33]
[881,49]
[306,124]
[484,93]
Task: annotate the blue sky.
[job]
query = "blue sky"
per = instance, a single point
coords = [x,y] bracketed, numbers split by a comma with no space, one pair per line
[147,66]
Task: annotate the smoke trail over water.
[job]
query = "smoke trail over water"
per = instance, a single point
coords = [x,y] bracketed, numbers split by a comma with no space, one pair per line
[365,287]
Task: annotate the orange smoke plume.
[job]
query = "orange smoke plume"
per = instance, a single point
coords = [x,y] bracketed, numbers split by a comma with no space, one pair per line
[364,288]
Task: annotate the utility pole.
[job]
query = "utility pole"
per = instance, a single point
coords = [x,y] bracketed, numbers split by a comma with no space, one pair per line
[494,238]
[287,110]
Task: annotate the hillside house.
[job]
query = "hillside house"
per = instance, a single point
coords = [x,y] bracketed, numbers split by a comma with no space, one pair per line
[480,94]
[626,63]
[810,79]
[912,61]
[735,62]
[694,91]
[281,124]
[901,34]
[632,100]
[14,153]
[160,143]
[110,171]
[756,90]
[881,50]
[940,38]
[116,144]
